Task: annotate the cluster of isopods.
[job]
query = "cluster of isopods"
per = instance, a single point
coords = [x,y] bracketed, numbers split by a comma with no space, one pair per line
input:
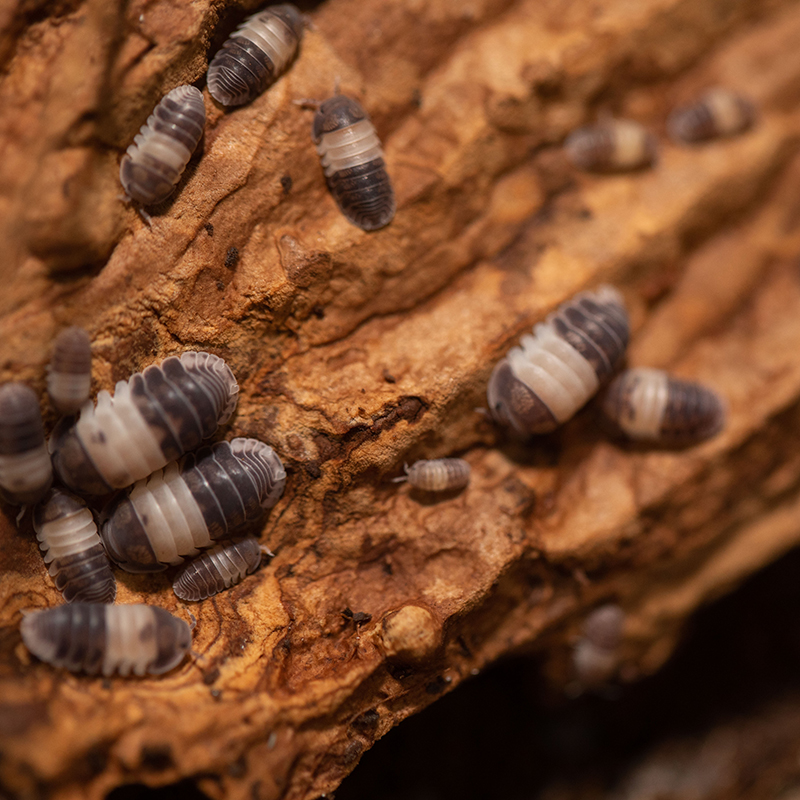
[177,502]
[253,57]
[616,145]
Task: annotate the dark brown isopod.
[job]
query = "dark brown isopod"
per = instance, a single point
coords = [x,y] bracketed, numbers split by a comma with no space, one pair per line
[154,417]
[541,384]
[438,475]
[25,469]
[69,374]
[178,511]
[649,404]
[352,160]
[68,537]
[255,55]
[611,146]
[719,112]
[154,163]
[92,637]
[218,569]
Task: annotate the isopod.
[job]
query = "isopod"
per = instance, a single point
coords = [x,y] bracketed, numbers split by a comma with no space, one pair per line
[69,374]
[154,417]
[154,163]
[611,146]
[649,404]
[437,475]
[719,112]
[541,384]
[255,55]
[218,569]
[68,537]
[594,656]
[352,160]
[93,637]
[186,507]
[25,469]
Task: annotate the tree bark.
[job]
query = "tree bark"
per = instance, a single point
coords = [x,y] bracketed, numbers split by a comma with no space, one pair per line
[356,352]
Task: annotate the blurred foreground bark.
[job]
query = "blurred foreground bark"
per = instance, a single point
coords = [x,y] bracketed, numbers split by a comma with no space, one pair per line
[356,352]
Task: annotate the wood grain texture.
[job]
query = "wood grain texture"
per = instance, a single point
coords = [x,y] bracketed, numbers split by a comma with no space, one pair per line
[356,352]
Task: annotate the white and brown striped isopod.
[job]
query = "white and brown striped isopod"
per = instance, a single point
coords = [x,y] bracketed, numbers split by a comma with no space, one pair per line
[352,160]
[437,475]
[649,404]
[611,146]
[186,507]
[541,384]
[218,569]
[719,112]
[92,637]
[68,537]
[255,55]
[69,374]
[154,417]
[25,469]
[154,163]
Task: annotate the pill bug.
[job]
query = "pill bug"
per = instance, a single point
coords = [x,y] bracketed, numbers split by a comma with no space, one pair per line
[541,384]
[611,146]
[719,112]
[93,637]
[594,656]
[255,55]
[68,537]
[154,163]
[650,404]
[218,569]
[352,160]
[187,506]
[69,374]
[25,469]
[154,417]
[437,475]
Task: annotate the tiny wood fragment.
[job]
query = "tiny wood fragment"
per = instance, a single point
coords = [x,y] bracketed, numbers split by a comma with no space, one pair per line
[357,352]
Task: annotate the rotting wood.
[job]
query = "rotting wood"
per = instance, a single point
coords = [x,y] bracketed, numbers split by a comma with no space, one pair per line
[493,230]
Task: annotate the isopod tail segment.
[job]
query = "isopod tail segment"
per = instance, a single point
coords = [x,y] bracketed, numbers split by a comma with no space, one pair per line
[541,384]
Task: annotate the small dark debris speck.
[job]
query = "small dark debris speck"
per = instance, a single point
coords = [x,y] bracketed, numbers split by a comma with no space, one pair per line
[388,377]
[367,721]
[209,228]
[210,677]
[231,258]
[318,312]
[156,757]
[286,183]
[437,686]
[220,286]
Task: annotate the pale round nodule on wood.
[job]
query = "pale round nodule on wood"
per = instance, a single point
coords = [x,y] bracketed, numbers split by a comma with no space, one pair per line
[217,569]
[718,113]
[649,404]
[411,634]
[25,469]
[352,160]
[154,163]
[154,417]
[94,637]
[554,372]
[594,656]
[439,475]
[71,546]
[69,373]
[255,55]
[614,145]
[189,505]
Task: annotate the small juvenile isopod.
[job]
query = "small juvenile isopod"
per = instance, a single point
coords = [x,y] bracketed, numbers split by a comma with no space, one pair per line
[541,384]
[255,55]
[218,569]
[437,475]
[154,163]
[611,146]
[352,160]
[186,507]
[719,112]
[595,654]
[25,469]
[92,638]
[68,537]
[649,404]
[154,417]
[69,374]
